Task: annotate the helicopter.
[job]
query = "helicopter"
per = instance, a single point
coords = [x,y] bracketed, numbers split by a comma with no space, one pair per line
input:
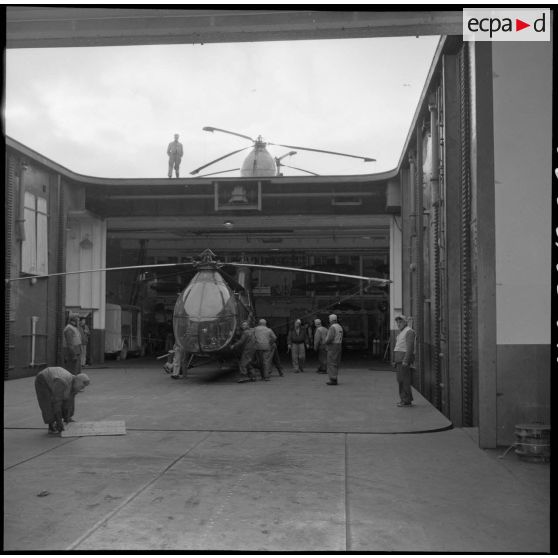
[260,162]
[208,312]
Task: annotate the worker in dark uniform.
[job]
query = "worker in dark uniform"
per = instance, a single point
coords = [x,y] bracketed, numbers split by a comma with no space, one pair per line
[297,343]
[247,343]
[276,359]
[320,346]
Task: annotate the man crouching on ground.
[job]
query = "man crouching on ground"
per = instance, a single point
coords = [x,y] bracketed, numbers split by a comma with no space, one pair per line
[56,389]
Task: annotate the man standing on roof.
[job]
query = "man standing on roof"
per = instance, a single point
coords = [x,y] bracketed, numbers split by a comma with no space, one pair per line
[175,153]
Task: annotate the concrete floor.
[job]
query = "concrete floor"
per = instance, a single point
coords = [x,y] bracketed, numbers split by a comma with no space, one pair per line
[286,465]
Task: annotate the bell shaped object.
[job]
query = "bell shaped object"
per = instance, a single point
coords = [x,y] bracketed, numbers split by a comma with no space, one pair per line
[238,195]
[259,162]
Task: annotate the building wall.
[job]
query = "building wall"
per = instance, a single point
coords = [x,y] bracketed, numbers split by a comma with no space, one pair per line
[35,306]
[496,218]
[31,301]
[522,82]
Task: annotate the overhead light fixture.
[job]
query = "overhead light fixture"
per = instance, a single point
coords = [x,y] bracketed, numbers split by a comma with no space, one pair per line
[238,195]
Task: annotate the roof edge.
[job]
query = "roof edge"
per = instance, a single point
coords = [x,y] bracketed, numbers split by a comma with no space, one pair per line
[93,180]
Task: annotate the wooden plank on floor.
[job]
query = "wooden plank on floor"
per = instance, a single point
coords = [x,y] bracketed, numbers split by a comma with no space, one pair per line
[94,428]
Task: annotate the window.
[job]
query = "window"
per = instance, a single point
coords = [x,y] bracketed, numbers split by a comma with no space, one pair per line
[34,249]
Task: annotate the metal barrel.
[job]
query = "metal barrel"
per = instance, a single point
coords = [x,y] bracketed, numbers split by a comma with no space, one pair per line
[532,442]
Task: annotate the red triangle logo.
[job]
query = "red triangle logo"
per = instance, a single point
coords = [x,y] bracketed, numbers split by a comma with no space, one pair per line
[519,25]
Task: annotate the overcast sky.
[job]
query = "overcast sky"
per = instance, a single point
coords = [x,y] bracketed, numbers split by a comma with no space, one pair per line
[111,111]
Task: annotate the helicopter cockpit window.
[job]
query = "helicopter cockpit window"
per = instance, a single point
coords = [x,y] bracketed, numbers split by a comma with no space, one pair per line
[205,314]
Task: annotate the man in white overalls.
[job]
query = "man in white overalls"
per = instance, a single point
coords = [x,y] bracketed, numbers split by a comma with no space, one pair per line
[403,358]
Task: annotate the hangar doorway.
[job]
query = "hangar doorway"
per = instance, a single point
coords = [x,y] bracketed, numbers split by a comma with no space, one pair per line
[279,296]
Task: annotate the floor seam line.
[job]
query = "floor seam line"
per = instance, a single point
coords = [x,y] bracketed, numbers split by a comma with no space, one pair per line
[134,495]
[38,455]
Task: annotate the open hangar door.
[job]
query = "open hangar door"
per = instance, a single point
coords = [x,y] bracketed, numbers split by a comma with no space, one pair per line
[357,245]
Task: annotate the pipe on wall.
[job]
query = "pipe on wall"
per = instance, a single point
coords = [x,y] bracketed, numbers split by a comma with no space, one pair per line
[412,237]
[10,198]
[20,220]
[466,268]
[34,320]
[435,195]
[419,220]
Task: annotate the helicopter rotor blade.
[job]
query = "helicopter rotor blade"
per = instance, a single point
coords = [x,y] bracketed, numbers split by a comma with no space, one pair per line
[365,159]
[381,280]
[219,159]
[11,280]
[303,170]
[213,129]
[220,172]
[289,154]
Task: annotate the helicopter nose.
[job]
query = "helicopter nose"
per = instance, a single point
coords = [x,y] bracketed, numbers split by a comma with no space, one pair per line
[205,316]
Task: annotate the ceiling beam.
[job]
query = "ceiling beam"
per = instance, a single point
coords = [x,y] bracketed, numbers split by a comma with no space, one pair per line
[269,222]
[43,27]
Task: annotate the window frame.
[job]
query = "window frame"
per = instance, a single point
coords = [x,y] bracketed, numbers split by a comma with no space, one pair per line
[34,247]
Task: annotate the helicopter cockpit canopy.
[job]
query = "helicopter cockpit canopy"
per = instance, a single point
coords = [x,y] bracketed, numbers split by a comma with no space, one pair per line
[205,315]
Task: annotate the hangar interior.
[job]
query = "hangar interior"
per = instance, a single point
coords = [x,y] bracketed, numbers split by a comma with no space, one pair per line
[315,223]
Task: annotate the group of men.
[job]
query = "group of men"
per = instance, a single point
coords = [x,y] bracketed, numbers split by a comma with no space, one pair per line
[258,348]
[258,351]
[74,343]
